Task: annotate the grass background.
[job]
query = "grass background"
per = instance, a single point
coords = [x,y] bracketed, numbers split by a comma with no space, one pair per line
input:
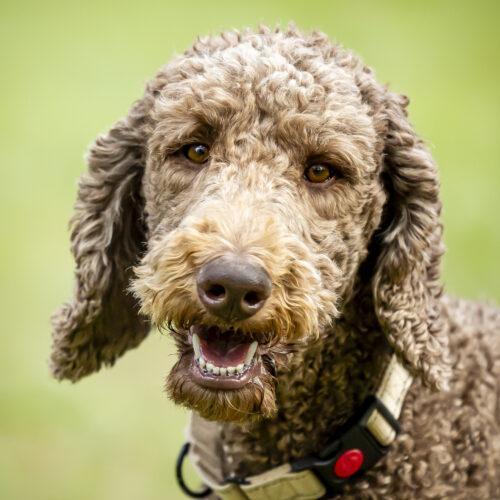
[68,70]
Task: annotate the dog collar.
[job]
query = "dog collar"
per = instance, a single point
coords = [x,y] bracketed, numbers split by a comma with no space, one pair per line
[356,448]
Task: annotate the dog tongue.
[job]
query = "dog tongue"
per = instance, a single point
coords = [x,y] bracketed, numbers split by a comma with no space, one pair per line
[222,348]
[224,352]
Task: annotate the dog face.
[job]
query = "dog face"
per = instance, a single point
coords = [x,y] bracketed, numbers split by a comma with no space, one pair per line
[286,183]
[237,202]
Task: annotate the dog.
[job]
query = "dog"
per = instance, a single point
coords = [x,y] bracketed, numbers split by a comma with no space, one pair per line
[268,204]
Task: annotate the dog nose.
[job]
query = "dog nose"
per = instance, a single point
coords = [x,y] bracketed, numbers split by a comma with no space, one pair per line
[233,288]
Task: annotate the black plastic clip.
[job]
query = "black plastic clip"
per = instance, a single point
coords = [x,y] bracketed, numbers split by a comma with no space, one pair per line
[354,451]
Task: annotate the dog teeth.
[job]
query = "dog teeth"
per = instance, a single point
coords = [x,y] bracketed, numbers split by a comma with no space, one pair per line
[251,352]
[196,345]
[224,371]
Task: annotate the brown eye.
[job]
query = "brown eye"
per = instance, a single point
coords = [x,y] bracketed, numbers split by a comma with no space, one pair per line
[197,153]
[318,173]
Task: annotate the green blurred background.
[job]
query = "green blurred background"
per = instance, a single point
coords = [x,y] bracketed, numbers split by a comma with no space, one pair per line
[68,70]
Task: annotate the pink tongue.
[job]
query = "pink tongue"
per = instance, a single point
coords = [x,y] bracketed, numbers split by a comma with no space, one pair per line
[222,353]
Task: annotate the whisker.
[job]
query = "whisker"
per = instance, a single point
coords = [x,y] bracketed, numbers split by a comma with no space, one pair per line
[239,410]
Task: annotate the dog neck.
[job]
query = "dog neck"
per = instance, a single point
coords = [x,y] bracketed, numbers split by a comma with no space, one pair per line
[324,387]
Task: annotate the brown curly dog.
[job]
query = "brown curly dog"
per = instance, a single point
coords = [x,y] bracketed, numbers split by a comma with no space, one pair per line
[268,203]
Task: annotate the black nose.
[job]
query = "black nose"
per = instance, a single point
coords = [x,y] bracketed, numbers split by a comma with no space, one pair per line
[233,288]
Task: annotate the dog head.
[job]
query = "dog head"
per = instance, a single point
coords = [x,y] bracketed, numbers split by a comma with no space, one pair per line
[234,206]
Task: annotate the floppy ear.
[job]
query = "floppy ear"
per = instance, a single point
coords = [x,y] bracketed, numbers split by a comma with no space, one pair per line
[406,284]
[102,321]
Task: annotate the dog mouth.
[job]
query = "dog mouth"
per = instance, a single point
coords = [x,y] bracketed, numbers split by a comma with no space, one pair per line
[223,359]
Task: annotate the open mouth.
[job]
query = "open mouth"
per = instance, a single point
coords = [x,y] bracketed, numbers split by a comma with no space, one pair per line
[223,359]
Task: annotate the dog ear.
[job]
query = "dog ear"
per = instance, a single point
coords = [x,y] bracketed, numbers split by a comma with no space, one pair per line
[406,283]
[107,233]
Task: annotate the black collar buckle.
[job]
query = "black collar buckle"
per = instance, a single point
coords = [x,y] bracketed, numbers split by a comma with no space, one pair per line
[353,452]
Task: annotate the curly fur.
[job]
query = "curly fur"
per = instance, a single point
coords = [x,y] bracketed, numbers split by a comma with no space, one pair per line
[354,265]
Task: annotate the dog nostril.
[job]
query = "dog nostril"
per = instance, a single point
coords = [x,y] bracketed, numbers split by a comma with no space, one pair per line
[252,298]
[216,292]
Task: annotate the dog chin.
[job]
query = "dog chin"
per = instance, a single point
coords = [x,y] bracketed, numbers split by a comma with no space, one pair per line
[242,397]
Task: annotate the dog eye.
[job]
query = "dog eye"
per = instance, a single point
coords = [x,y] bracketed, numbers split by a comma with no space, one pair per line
[318,173]
[197,153]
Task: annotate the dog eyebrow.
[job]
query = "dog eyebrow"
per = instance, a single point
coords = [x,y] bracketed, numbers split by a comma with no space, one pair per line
[178,127]
[317,140]
[193,116]
[211,104]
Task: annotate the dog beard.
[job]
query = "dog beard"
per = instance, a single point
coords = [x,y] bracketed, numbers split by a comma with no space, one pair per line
[253,401]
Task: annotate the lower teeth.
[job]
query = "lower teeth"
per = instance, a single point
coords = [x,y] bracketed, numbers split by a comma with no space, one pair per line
[211,369]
